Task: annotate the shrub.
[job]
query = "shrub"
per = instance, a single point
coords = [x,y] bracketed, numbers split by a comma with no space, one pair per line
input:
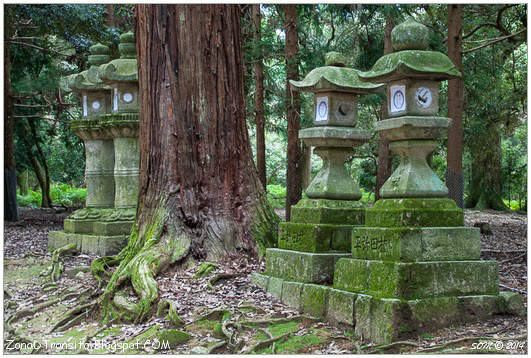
[62,194]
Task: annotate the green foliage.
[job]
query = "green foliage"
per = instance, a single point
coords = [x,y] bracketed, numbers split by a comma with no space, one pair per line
[62,195]
[276,195]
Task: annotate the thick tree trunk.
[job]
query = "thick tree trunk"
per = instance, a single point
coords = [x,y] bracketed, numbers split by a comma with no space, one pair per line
[199,192]
[10,174]
[294,167]
[259,98]
[384,154]
[454,171]
[486,181]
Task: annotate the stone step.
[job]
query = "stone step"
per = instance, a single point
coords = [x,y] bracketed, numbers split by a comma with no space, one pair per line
[314,237]
[419,212]
[327,211]
[416,280]
[101,245]
[383,320]
[416,244]
[302,266]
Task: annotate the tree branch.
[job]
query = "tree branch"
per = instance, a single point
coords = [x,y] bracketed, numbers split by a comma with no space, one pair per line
[36,47]
[495,41]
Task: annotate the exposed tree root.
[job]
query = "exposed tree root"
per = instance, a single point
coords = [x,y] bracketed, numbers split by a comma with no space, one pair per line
[31,311]
[56,269]
[149,251]
[205,269]
[385,347]
[221,276]
[268,322]
[169,308]
[216,346]
[73,316]
[264,344]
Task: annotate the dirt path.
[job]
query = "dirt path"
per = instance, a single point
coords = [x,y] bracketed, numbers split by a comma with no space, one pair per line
[230,315]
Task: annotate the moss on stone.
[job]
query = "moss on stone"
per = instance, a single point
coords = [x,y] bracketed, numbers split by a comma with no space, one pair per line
[173,337]
[341,306]
[411,63]
[314,299]
[352,275]
[512,303]
[325,211]
[314,237]
[333,78]
[302,266]
[383,279]
[275,287]
[430,212]
[291,294]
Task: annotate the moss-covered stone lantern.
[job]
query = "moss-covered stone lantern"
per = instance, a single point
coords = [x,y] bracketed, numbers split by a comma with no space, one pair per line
[336,90]
[109,128]
[414,266]
[319,232]
[95,101]
[412,74]
[122,123]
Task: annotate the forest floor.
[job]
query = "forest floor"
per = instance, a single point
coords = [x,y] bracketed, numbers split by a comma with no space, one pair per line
[230,315]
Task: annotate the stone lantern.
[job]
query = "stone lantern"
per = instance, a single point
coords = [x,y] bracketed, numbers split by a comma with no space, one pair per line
[122,125]
[336,90]
[109,128]
[99,163]
[319,232]
[412,75]
[414,266]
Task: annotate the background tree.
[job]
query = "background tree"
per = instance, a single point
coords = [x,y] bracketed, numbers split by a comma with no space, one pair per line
[199,192]
[454,171]
[293,108]
[259,96]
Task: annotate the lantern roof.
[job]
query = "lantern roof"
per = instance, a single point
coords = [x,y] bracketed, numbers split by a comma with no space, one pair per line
[410,58]
[89,80]
[334,76]
[123,69]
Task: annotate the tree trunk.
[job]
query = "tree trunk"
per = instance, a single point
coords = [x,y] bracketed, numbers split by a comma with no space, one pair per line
[199,192]
[109,15]
[454,171]
[44,181]
[23,182]
[486,182]
[384,154]
[259,97]
[294,172]
[10,173]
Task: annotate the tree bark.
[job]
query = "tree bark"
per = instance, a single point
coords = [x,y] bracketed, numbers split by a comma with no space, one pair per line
[454,171]
[384,154]
[10,173]
[199,192]
[294,167]
[259,97]
[109,15]
[44,181]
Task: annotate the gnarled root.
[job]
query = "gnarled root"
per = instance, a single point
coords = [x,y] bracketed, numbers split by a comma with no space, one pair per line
[56,269]
[148,252]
